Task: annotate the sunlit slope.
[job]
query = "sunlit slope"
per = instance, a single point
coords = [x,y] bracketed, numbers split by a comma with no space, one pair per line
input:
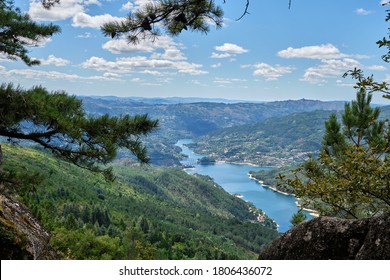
[146,213]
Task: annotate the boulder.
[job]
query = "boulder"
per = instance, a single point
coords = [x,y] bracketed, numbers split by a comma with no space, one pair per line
[333,238]
[21,235]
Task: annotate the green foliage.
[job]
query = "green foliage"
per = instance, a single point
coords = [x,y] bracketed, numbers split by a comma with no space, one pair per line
[57,122]
[188,120]
[278,141]
[350,177]
[146,213]
[298,218]
[206,160]
[173,16]
[18,31]
[385,42]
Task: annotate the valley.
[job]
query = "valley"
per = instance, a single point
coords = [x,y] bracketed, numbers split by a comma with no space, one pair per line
[159,211]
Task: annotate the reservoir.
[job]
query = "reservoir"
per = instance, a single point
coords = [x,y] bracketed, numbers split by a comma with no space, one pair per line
[235,180]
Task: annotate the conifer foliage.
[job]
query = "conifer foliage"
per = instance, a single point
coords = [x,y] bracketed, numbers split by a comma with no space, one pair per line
[172,16]
[59,123]
[18,31]
[351,176]
[56,120]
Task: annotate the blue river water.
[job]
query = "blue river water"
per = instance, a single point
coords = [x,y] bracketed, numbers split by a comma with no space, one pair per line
[235,180]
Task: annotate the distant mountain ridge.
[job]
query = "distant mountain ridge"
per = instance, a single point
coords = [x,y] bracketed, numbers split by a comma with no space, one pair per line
[190,120]
[277,141]
[173,100]
[199,118]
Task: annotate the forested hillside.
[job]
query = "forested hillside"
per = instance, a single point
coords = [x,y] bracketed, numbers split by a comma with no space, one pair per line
[273,142]
[147,213]
[278,141]
[188,120]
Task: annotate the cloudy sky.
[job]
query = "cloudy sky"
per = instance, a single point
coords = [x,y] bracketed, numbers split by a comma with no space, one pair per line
[273,53]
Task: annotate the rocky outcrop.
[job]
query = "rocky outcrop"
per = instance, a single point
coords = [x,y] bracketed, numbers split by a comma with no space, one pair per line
[21,235]
[332,238]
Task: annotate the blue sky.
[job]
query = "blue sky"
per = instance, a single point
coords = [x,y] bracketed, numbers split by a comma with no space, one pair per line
[273,53]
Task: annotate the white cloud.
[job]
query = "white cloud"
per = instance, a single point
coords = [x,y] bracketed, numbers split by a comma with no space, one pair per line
[40,42]
[66,9]
[135,5]
[363,12]
[341,83]
[85,20]
[228,50]
[219,80]
[197,82]
[140,64]
[329,68]
[92,2]
[220,55]
[86,35]
[111,75]
[171,50]
[122,46]
[52,60]
[377,68]
[127,6]
[217,65]
[53,75]
[152,72]
[327,51]
[74,9]
[231,48]
[270,72]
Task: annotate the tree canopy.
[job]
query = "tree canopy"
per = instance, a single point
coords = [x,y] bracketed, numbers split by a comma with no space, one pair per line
[56,120]
[351,176]
[59,123]
[170,15]
[18,31]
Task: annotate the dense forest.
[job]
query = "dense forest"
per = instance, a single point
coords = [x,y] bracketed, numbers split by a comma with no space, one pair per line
[147,213]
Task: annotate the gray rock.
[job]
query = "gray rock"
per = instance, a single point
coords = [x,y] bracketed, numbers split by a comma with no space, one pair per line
[21,235]
[333,238]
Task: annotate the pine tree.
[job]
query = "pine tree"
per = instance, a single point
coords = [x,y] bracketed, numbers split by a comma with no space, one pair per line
[18,31]
[56,120]
[59,123]
[297,218]
[351,177]
[172,16]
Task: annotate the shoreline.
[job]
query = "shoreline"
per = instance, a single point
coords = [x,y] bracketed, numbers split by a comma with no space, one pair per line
[261,183]
[250,164]
[311,212]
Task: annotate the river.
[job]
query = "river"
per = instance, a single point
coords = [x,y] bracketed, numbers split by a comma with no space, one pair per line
[235,180]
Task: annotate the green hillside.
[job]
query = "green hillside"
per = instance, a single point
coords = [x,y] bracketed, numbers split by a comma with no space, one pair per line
[273,142]
[279,141]
[189,120]
[147,213]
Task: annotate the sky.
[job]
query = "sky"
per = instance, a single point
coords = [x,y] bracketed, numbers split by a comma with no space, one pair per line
[272,53]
